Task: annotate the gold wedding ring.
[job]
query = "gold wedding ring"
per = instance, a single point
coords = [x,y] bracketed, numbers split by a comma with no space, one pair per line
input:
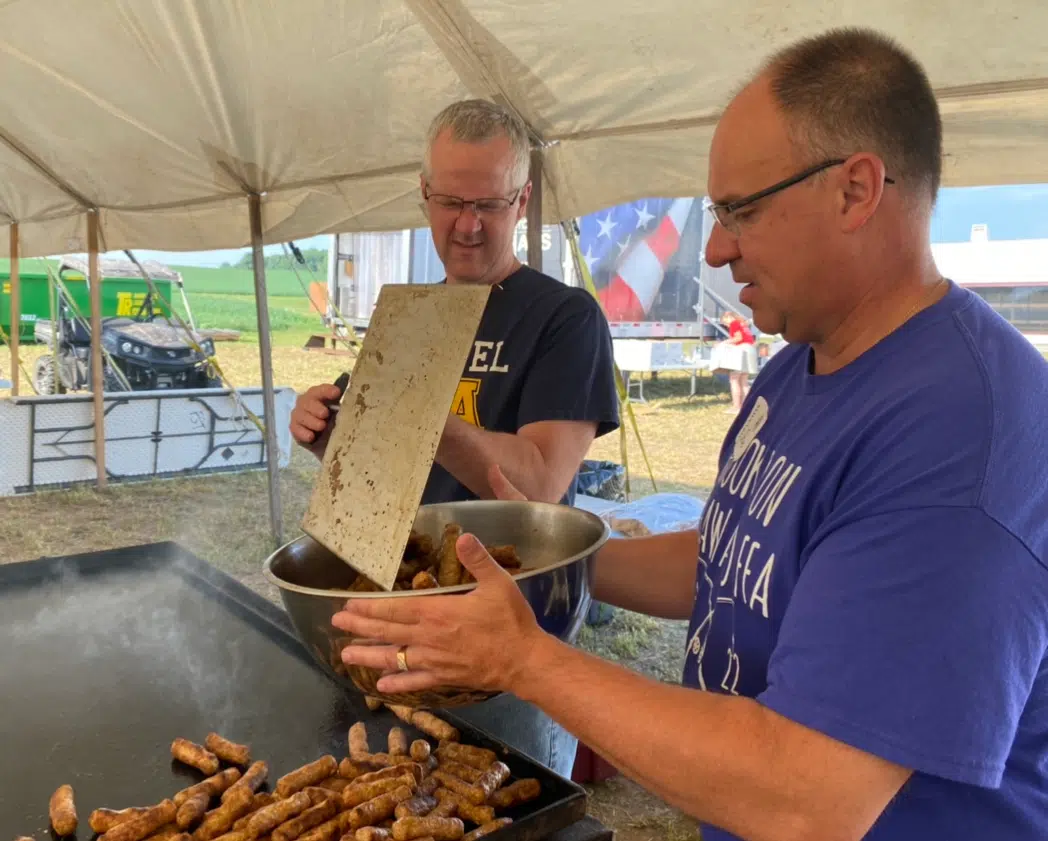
[402,658]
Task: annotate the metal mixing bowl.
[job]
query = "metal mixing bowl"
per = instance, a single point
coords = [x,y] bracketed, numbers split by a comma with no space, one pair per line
[556,544]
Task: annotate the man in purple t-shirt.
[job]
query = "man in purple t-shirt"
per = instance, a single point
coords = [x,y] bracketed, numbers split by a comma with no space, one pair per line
[869,612]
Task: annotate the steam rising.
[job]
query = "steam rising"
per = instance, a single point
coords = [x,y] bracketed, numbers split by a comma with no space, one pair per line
[93,622]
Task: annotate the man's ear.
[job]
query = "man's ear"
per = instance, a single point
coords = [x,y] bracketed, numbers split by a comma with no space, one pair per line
[522,202]
[860,189]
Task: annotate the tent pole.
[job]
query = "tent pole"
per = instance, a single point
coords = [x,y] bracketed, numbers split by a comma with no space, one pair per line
[16,310]
[94,278]
[535,212]
[265,351]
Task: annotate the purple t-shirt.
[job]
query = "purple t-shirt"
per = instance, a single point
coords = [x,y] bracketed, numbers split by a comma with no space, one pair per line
[873,566]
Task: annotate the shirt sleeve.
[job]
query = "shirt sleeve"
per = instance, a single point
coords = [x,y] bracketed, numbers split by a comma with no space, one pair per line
[573,376]
[915,636]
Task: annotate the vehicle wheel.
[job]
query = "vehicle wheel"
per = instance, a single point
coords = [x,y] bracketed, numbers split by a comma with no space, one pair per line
[45,379]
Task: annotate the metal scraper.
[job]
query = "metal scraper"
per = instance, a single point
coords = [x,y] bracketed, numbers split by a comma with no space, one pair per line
[389,423]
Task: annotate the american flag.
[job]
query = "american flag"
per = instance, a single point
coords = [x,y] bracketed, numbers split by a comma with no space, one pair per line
[627,249]
[606,236]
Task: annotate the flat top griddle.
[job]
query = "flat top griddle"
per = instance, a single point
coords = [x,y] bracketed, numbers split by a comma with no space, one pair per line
[107,657]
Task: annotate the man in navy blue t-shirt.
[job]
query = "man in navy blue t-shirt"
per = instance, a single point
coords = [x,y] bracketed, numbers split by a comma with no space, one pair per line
[539,382]
[869,610]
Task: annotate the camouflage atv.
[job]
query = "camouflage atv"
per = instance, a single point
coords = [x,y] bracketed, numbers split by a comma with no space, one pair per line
[148,351]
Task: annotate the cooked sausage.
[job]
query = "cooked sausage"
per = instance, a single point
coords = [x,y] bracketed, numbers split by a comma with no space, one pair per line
[214,786]
[259,801]
[435,728]
[270,817]
[467,810]
[312,817]
[195,755]
[487,829]
[417,807]
[461,770]
[145,824]
[449,570]
[420,750]
[489,783]
[103,820]
[424,581]
[447,807]
[398,742]
[62,811]
[221,820]
[360,793]
[307,775]
[441,829]
[378,809]
[192,811]
[460,787]
[359,751]
[228,751]
[480,758]
[250,782]
[521,791]
[372,833]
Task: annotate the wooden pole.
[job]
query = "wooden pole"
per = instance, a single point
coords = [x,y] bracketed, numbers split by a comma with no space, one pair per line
[535,212]
[94,279]
[16,310]
[265,351]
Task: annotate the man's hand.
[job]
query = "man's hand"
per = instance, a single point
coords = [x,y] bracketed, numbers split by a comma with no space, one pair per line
[310,416]
[480,640]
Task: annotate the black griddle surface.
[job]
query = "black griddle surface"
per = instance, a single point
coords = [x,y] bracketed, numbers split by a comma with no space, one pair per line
[107,657]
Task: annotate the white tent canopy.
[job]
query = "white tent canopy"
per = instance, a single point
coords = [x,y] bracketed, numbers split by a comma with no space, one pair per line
[165,114]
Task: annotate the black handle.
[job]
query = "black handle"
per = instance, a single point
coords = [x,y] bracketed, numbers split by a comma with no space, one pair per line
[340,384]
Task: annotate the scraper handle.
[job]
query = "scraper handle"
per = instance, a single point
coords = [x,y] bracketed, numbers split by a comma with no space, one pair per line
[340,384]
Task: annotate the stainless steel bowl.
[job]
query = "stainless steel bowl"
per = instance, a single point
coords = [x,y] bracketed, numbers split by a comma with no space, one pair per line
[556,544]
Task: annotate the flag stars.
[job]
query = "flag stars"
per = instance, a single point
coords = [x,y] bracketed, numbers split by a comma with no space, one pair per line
[606,226]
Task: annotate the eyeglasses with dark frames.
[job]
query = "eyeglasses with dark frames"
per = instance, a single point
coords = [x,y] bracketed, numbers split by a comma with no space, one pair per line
[725,212]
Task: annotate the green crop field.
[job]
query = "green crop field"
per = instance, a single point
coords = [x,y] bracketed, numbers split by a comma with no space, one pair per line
[281,283]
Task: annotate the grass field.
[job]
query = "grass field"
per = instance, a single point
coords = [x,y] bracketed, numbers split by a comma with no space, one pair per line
[279,283]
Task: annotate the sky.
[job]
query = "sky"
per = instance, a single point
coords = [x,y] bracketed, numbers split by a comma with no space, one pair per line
[1011,212]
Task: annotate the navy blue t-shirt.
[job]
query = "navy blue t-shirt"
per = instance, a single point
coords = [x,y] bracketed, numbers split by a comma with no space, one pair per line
[873,566]
[542,353]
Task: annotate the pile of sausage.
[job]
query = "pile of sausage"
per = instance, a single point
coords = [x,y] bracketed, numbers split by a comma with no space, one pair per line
[426,565]
[410,792]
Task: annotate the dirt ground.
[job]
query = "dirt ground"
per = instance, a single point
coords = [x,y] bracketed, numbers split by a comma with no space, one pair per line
[224,519]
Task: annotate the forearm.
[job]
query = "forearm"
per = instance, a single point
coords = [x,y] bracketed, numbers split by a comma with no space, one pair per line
[653,575]
[467,452]
[716,757]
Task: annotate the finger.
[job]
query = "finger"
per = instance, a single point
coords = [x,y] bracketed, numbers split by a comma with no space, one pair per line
[475,558]
[324,393]
[301,434]
[404,611]
[374,629]
[313,422]
[501,486]
[381,657]
[412,681]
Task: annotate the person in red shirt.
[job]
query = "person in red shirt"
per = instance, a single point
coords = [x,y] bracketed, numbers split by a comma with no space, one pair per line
[739,334]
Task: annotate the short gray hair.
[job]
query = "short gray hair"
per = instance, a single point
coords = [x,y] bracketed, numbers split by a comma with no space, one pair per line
[478,121]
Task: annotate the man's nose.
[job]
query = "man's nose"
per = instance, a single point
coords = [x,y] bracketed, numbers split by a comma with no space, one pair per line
[721,248]
[468,221]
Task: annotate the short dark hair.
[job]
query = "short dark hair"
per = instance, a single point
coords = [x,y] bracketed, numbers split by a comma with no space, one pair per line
[855,90]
